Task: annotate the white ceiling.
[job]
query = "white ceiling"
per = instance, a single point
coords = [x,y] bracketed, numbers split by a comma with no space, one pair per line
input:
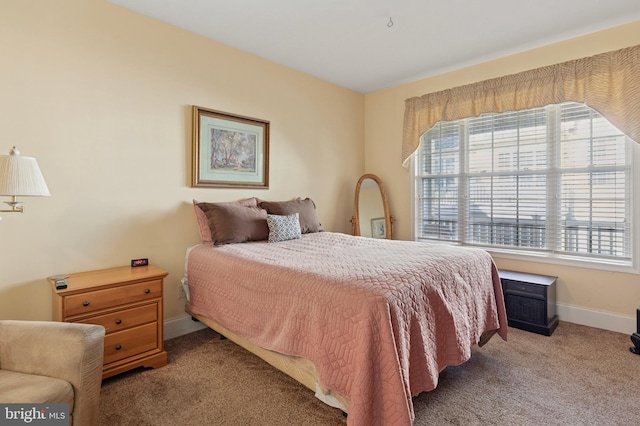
[350,42]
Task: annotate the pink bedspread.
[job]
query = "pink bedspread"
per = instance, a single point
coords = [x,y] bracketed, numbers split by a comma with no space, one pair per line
[378,318]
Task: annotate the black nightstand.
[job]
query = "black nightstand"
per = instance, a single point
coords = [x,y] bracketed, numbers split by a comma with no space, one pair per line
[530,301]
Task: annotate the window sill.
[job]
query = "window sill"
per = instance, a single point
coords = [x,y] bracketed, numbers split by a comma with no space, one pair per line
[573,261]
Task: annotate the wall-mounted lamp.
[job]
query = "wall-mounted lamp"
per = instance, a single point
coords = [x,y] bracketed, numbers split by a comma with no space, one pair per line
[20,177]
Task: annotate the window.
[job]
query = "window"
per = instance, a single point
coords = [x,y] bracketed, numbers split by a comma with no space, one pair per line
[555,179]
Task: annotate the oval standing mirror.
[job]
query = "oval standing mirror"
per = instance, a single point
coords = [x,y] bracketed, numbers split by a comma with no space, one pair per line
[371,210]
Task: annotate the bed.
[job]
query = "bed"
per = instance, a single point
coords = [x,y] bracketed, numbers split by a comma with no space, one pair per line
[366,323]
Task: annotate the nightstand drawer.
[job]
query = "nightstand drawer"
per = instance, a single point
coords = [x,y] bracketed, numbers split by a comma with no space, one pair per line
[526,309]
[126,343]
[126,318]
[527,288]
[78,304]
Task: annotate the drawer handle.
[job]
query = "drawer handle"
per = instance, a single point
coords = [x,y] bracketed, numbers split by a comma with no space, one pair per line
[85,303]
[118,321]
[147,291]
[118,347]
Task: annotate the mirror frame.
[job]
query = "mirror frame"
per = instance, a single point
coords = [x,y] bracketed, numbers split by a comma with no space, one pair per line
[355,219]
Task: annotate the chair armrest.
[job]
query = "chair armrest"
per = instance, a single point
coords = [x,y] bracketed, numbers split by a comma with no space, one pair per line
[67,351]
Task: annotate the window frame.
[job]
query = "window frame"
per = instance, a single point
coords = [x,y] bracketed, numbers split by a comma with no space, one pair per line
[543,256]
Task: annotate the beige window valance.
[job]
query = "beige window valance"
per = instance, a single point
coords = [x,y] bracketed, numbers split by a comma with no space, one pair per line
[608,83]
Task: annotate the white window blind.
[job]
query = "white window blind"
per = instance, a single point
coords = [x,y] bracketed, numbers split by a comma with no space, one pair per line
[554,179]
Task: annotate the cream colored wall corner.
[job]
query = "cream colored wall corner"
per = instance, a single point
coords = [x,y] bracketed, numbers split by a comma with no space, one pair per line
[578,289]
[101,96]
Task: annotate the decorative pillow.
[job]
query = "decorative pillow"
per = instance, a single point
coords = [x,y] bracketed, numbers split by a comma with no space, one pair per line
[305,208]
[283,228]
[206,233]
[203,223]
[234,223]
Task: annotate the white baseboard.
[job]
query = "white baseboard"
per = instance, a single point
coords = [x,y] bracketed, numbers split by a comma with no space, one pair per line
[597,319]
[182,325]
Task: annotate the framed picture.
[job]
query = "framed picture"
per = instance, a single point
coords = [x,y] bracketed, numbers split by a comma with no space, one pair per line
[229,151]
[378,228]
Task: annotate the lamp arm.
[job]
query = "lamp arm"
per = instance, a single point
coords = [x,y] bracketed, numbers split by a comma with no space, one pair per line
[16,206]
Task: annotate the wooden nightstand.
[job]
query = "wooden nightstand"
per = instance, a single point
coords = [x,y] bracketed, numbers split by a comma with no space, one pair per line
[530,301]
[128,303]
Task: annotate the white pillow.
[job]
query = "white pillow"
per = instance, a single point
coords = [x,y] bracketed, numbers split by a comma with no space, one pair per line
[283,228]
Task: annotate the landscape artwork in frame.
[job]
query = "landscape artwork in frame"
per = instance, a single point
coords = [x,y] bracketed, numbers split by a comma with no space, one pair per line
[378,228]
[229,150]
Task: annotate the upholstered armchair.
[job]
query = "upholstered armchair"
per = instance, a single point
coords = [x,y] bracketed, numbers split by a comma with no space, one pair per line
[52,362]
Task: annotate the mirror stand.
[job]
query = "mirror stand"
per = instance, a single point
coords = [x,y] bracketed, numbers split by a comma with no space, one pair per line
[371,207]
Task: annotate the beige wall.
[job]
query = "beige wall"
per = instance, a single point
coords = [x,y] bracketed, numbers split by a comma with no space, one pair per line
[101,96]
[615,293]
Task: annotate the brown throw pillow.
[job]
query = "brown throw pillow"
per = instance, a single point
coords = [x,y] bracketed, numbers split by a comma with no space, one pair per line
[305,208]
[236,224]
[206,232]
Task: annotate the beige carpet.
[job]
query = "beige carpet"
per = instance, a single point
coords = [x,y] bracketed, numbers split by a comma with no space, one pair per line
[577,376]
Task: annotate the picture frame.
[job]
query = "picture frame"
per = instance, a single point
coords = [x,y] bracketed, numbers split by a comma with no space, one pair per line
[229,151]
[378,228]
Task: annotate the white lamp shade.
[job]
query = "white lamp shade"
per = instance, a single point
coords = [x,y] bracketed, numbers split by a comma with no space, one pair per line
[21,176]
